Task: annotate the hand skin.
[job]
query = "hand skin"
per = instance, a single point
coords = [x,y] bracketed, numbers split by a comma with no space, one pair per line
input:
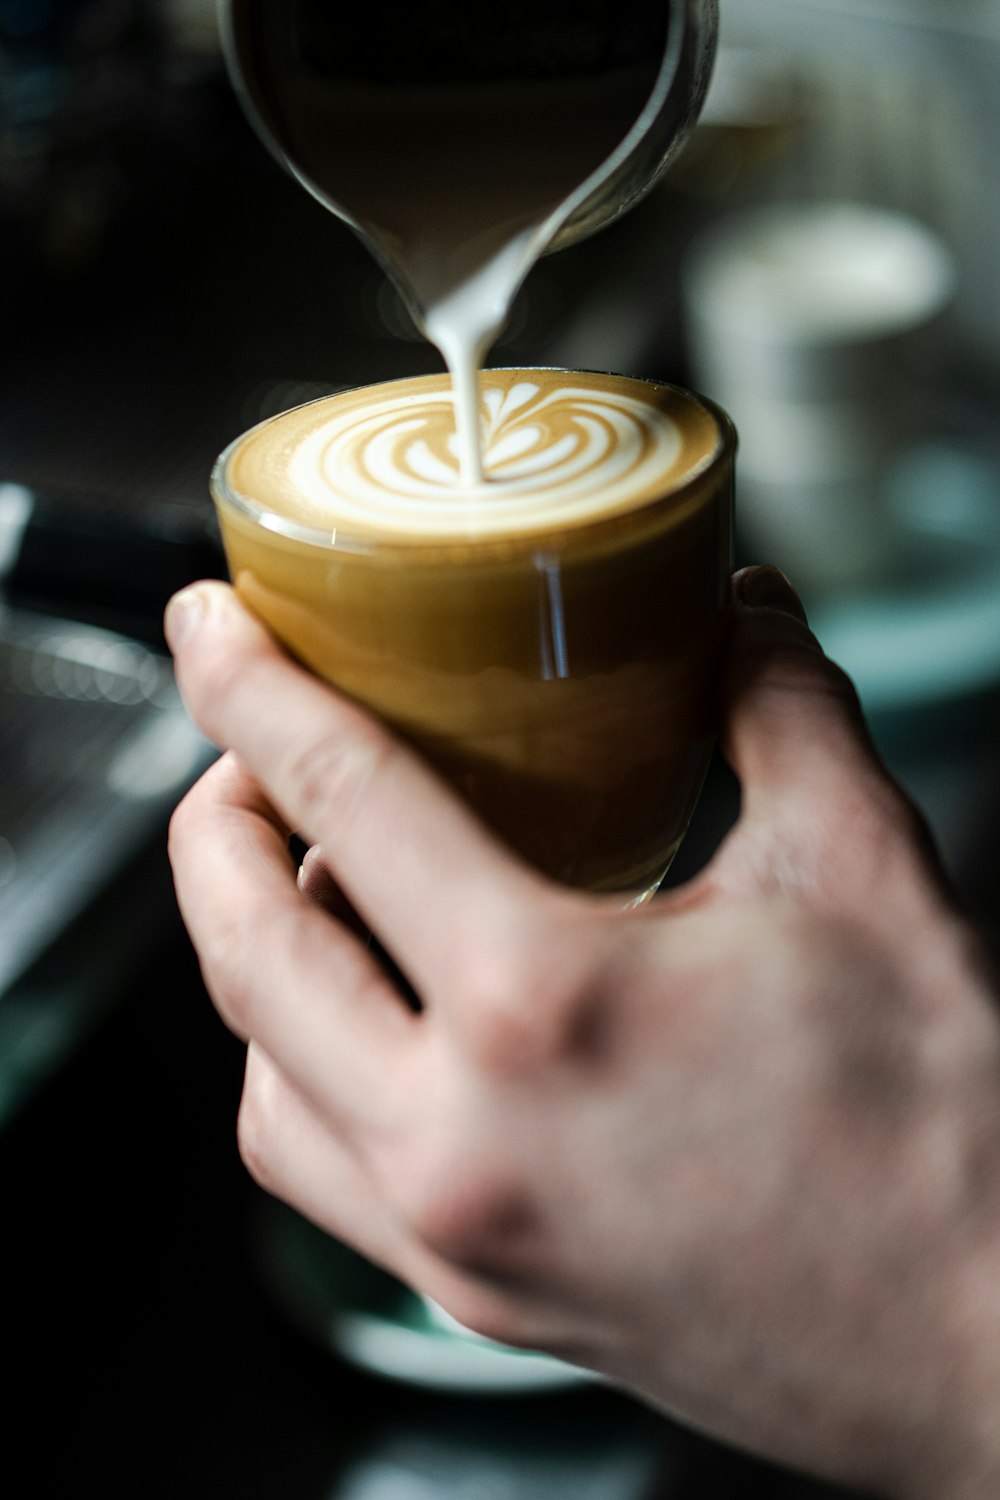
[739,1151]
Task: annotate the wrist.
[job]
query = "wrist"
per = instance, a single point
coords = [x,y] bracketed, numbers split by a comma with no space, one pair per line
[960,1458]
[946,1443]
[970,1437]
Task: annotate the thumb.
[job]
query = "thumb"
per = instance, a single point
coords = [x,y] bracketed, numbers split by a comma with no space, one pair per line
[792,726]
[820,815]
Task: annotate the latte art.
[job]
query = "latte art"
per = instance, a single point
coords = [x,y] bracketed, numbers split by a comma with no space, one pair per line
[560,450]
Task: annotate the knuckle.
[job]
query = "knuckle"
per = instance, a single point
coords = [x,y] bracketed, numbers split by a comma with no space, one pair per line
[793,662]
[224,970]
[254,1133]
[235,970]
[469,1213]
[834,682]
[331,777]
[183,818]
[492,1315]
[505,1037]
[242,972]
[804,670]
[266,1147]
[519,1017]
[213,795]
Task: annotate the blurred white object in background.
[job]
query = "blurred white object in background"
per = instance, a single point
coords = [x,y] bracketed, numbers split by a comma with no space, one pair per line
[905,113]
[819,326]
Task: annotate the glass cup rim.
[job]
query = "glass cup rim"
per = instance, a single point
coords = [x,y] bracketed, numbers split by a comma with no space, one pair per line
[341,539]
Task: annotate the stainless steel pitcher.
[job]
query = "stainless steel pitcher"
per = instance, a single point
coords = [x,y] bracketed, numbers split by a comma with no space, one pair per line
[389,112]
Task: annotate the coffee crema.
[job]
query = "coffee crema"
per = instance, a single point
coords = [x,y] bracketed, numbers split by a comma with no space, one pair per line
[561,450]
[549,640]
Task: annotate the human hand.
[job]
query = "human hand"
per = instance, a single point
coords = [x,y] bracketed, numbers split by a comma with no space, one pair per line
[738,1151]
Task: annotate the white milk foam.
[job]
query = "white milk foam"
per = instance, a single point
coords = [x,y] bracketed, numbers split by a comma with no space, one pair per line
[555,455]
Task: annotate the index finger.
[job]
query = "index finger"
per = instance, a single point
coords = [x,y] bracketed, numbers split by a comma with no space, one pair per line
[281,971]
[390,831]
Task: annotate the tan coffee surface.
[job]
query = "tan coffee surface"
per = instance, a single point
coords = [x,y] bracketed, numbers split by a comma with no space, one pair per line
[561,449]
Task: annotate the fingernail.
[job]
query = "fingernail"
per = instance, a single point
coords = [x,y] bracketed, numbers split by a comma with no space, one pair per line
[183,615]
[768,588]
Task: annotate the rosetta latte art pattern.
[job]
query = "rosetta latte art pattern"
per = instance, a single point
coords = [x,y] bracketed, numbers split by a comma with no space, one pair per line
[553,455]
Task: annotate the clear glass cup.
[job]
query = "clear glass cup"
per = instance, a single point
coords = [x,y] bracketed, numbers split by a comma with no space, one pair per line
[563,681]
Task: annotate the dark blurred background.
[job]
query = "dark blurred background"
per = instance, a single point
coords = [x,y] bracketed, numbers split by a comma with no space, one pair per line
[164,285]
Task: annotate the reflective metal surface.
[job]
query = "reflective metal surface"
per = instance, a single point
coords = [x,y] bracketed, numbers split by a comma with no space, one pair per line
[551,117]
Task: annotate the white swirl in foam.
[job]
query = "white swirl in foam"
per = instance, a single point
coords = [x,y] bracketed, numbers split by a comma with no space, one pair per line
[551,457]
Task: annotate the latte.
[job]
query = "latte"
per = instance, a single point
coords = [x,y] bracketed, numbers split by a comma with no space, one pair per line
[547,638]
